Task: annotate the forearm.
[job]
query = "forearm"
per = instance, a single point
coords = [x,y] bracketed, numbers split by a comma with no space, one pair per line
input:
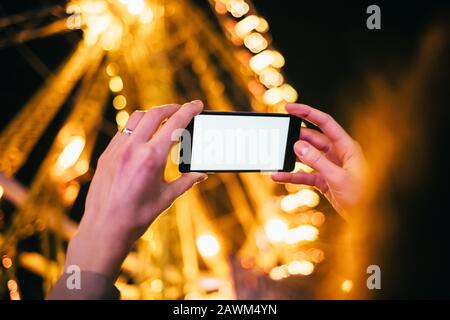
[97,257]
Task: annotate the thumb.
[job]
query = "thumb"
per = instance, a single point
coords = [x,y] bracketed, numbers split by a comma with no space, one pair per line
[185,182]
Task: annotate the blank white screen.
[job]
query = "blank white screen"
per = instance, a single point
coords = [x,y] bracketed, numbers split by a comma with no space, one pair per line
[222,142]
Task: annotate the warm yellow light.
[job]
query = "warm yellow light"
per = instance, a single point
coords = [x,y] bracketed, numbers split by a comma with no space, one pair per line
[277,59]
[156,285]
[302,233]
[301,167]
[237,8]
[146,16]
[303,198]
[112,69]
[316,255]
[308,198]
[255,42]
[71,192]
[2,191]
[70,153]
[116,84]
[119,102]
[288,93]
[93,7]
[14,295]
[347,286]
[317,218]
[265,59]
[6,262]
[301,267]
[273,96]
[246,25]
[207,245]
[275,230]
[289,203]
[136,6]
[261,61]
[122,118]
[271,77]
[278,273]
[12,285]
[82,167]
[262,26]
[111,38]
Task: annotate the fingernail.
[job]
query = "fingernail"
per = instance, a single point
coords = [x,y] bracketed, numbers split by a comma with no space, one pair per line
[301,148]
[197,102]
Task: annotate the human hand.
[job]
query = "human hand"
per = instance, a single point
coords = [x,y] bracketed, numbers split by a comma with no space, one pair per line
[128,190]
[338,160]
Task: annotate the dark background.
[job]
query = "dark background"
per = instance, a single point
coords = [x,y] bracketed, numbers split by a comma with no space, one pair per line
[328,51]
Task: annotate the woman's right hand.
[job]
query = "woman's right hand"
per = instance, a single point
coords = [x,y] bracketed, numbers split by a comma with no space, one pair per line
[128,190]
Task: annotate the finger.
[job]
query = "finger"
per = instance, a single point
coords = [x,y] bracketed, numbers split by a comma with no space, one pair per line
[184,183]
[151,121]
[179,120]
[324,121]
[312,157]
[317,139]
[310,179]
[131,124]
[321,142]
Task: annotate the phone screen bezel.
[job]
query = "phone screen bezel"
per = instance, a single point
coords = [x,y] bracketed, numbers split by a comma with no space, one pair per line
[289,155]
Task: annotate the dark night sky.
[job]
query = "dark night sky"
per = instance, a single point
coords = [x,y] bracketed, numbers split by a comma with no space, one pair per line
[329,50]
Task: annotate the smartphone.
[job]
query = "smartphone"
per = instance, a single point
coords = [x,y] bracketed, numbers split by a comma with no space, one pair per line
[239,142]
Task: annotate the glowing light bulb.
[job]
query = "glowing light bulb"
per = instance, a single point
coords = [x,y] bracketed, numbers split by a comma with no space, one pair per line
[136,6]
[112,69]
[347,286]
[278,273]
[316,255]
[262,26]
[207,245]
[246,25]
[261,61]
[301,233]
[301,267]
[12,285]
[156,285]
[317,218]
[265,59]
[122,118]
[70,153]
[303,198]
[273,96]
[71,192]
[237,8]
[289,203]
[275,230]
[301,167]
[116,84]
[308,198]
[255,42]
[2,191]
[288,93]
[146,16]
[119,102]
[6,262]
[271,77]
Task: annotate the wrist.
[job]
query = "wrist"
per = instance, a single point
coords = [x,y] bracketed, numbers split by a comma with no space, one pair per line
[97,250]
